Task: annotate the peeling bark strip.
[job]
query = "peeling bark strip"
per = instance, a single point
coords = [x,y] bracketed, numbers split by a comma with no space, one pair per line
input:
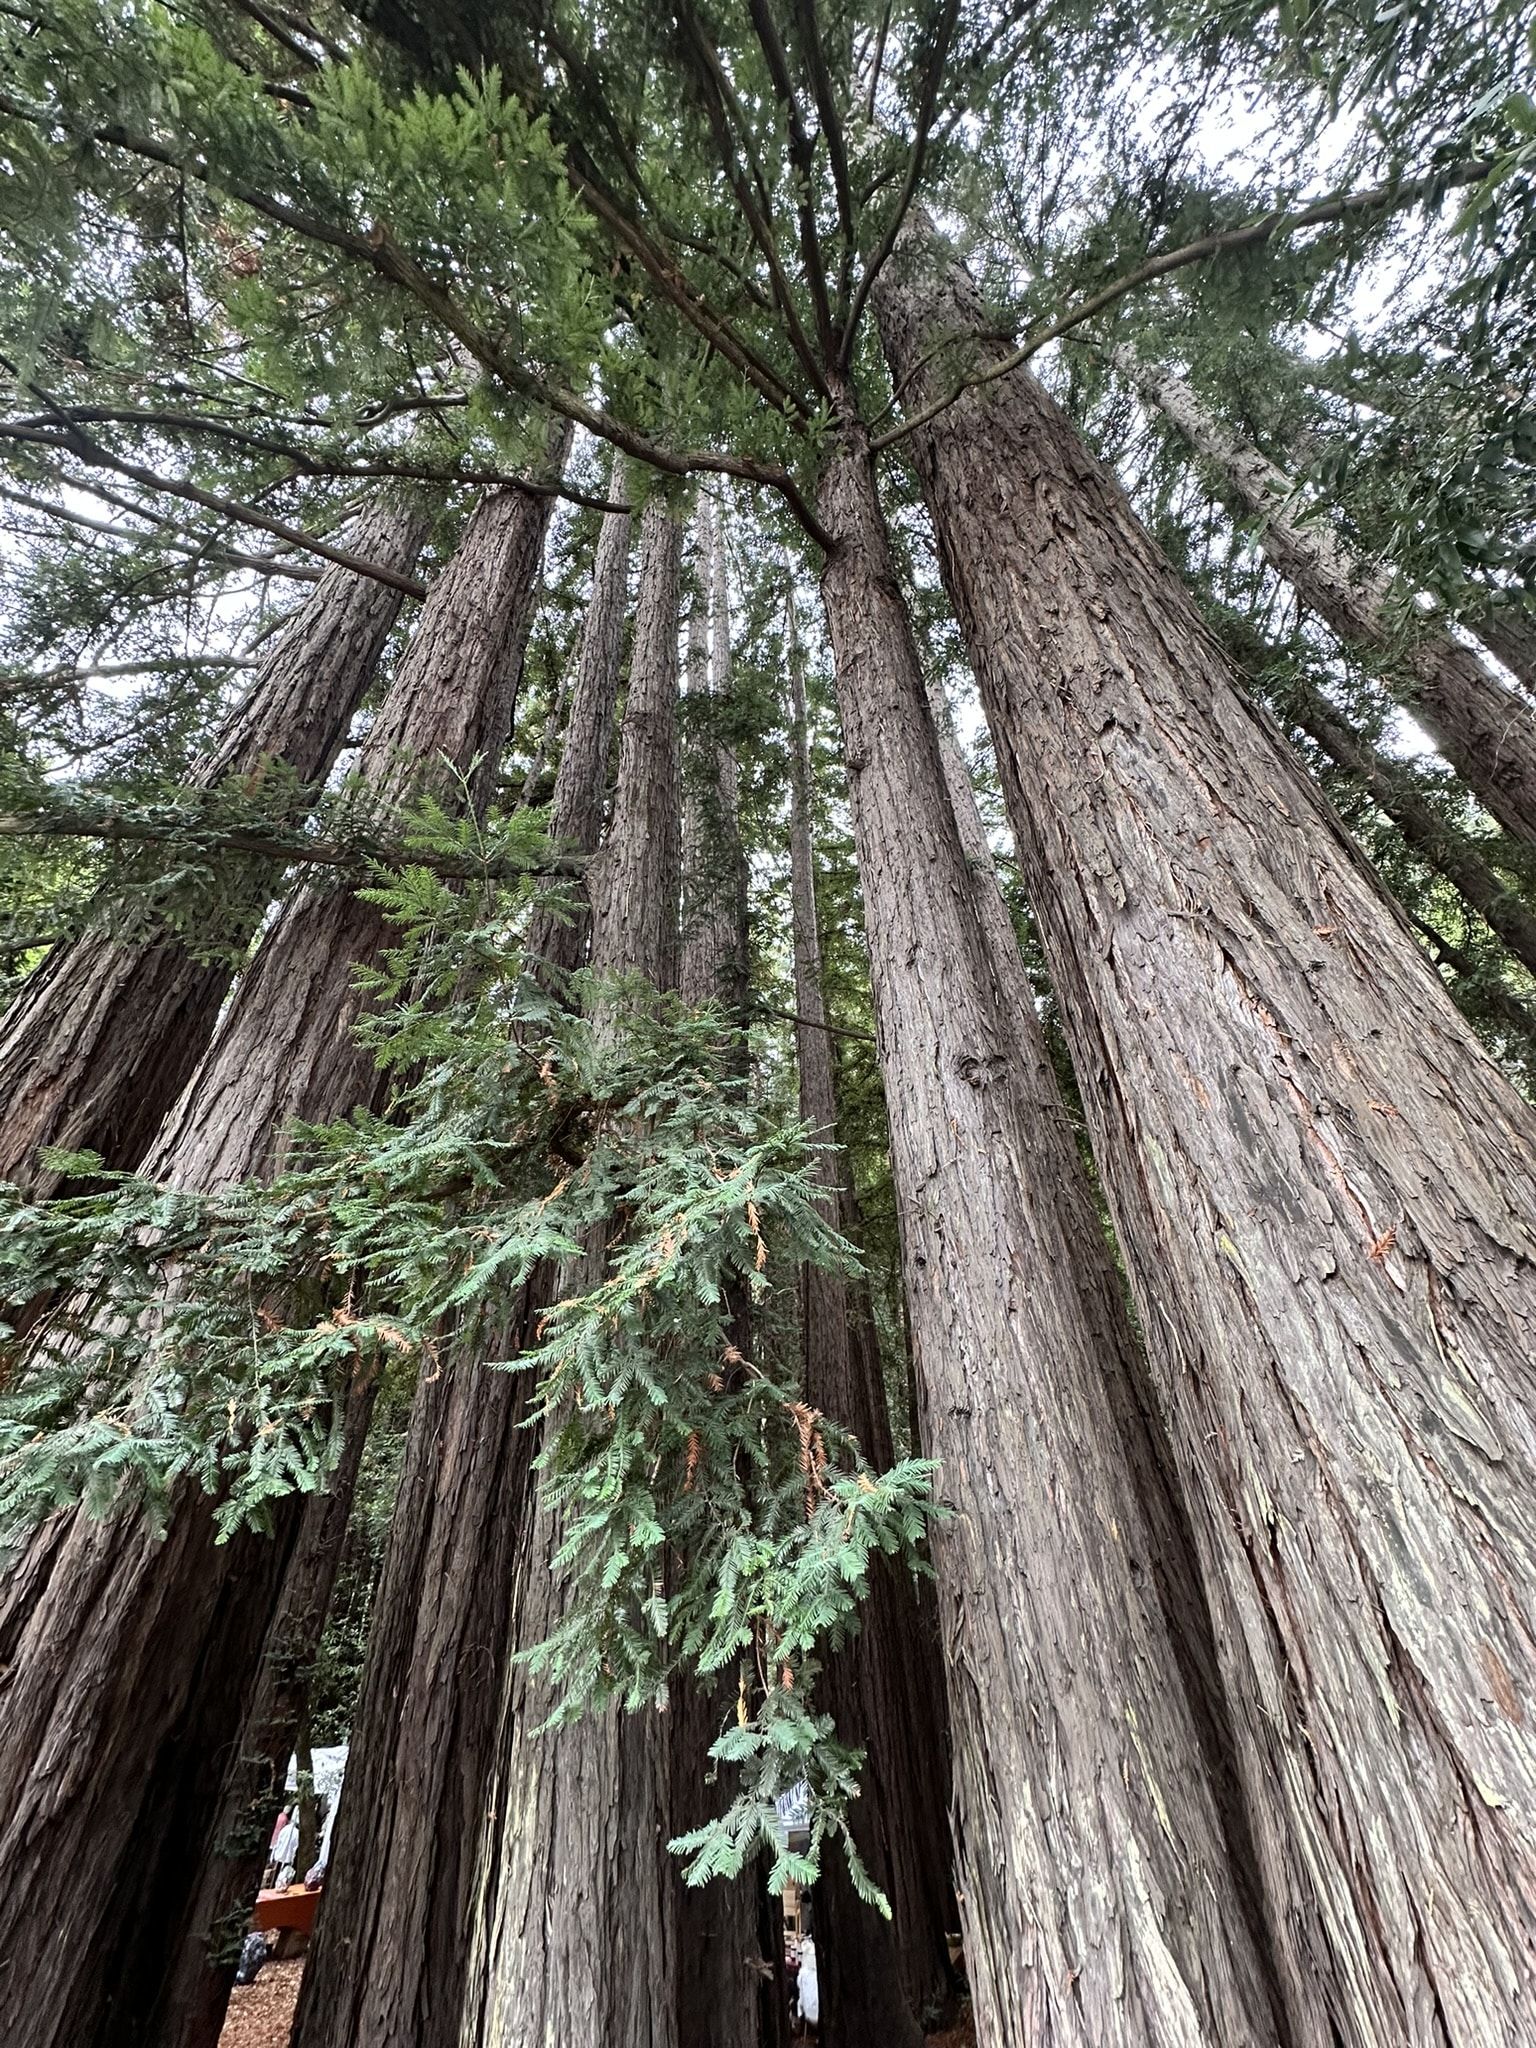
[131,1680]
[1099,1903]
[103,1036]
[574,1917]
[1325,1193]
[1486,730]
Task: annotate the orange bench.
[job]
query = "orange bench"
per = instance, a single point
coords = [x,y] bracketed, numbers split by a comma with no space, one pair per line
[291,1909]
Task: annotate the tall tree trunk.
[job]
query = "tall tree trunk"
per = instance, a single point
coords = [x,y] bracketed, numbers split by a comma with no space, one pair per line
[575,1911]
[576,814]
[1098,1900]
[730,1987]
[880,1980]
[714,941]
[1324,1191]
[1454,854]
[132,1677]
[103,1037]
[1486,730]
[402,1914]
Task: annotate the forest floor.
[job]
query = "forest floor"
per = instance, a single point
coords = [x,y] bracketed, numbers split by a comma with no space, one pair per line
[261,2014]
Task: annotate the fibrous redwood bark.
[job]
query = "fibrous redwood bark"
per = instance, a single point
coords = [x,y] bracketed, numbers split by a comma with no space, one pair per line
[104,1035]
[1324,1191]
[1486,730]
[131,1678]
[196,1995]
[574,1919]
[1098,1901]
[880,1980]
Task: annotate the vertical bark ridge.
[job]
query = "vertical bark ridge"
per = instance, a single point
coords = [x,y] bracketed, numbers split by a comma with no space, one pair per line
[1324,1191]
[103,1036]
[1097,1897]
[576,812]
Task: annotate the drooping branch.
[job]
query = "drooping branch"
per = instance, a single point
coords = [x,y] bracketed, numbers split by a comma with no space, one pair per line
[1323,212]
[305,461]
[357,856]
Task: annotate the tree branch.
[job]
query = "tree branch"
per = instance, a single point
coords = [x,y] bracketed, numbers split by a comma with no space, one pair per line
[928,101]
[265,565]
[358,857]
[1322,213]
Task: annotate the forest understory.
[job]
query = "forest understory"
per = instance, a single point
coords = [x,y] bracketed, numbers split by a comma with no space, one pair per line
[767,1024]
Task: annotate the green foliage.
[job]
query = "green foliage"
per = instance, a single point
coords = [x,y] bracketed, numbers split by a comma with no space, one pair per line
[709,1519]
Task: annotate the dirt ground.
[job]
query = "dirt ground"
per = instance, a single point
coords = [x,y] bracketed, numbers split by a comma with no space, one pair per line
[261,2014]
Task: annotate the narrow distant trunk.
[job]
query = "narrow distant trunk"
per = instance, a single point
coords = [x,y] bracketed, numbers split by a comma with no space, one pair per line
[1451,853]
[104,1035]
[576,814]
[1508,631]
[132,1677]
[880,1980]
[1098,1901]
[1324,1190]
[714,944]
[1486,730]
[575,1913]
[730,1988]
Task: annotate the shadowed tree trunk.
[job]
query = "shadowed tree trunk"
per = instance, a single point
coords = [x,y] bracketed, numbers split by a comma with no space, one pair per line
[880,1980]
[1486,730]
[393,1944]
[131,1678]
[1097,1897]
[575,1910]
[103,1036]
[197,1993]
[1324,1190]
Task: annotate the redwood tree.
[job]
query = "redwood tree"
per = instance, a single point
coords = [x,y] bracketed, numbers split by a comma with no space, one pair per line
[1075,1745]
[574,1914]
[1323,1188]
[392,1950]
[1484,728]
[879,1979]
